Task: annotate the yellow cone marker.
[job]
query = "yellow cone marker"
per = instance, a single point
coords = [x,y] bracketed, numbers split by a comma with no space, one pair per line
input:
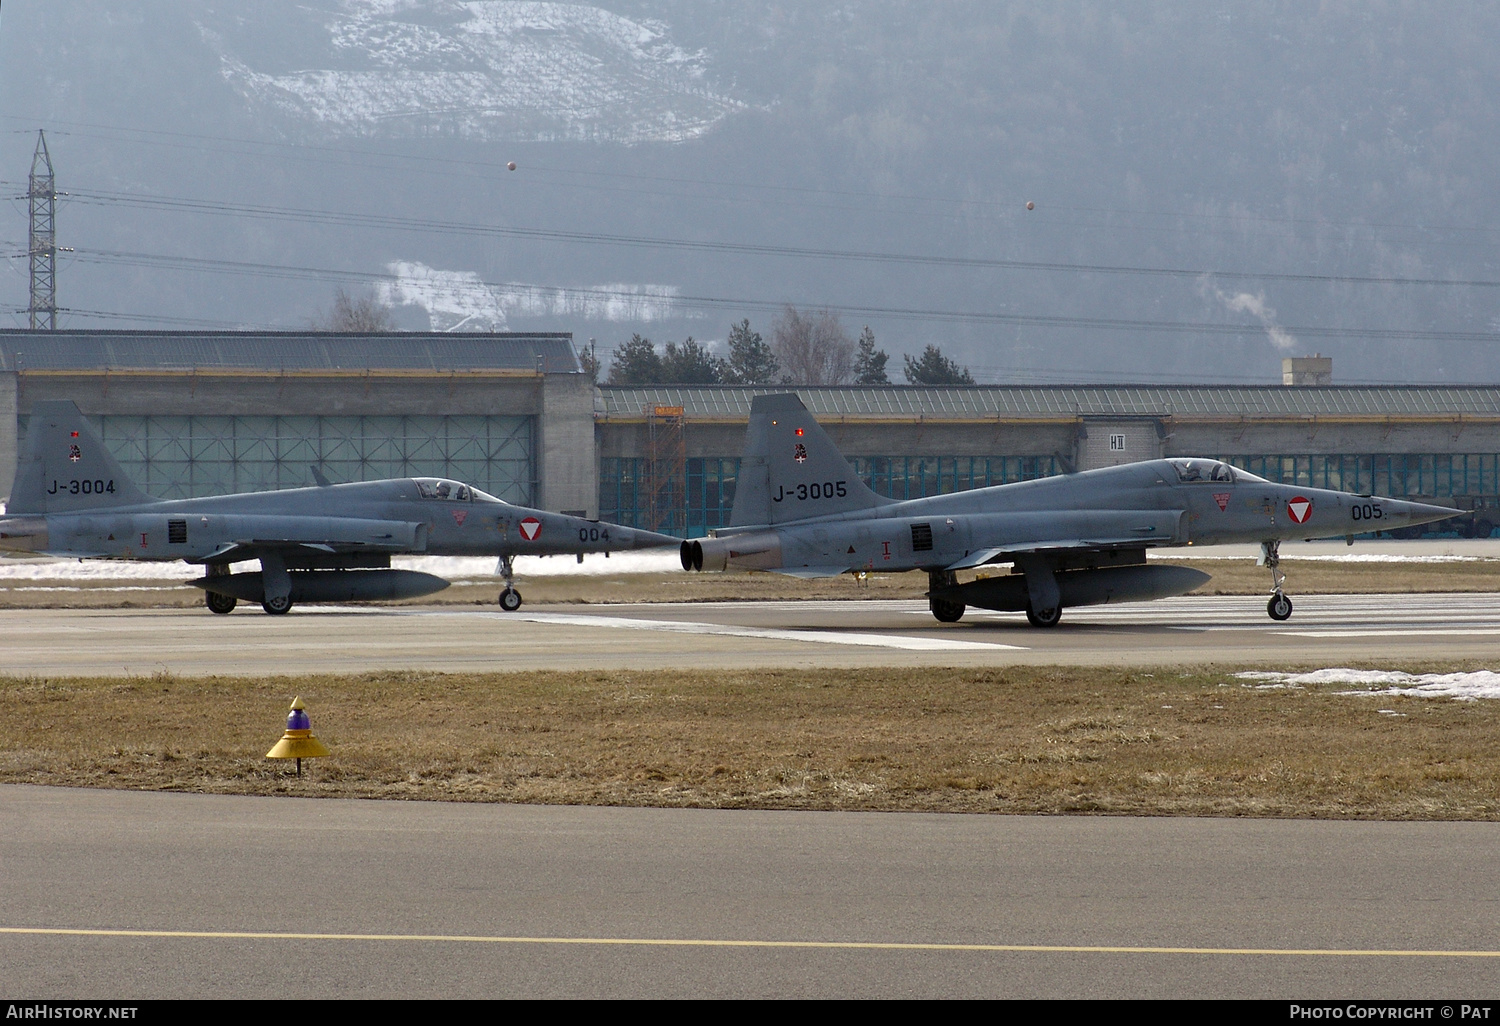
[298,741]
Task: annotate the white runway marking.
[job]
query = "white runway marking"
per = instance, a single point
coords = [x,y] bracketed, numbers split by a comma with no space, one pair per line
[694,627]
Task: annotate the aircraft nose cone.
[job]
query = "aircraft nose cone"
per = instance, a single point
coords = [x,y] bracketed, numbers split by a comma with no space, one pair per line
[1413,513]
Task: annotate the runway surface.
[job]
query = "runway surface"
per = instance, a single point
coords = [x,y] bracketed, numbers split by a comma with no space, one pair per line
[177,895]
[1412,630]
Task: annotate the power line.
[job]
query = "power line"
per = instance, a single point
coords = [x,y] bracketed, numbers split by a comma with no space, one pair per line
[723,302]
[411,224]
[758,186]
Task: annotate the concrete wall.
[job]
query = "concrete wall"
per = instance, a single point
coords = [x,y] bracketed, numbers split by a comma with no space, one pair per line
[1263,436]
[8,439]
[1106,442]
[286,395]
[863,438]
[566,463]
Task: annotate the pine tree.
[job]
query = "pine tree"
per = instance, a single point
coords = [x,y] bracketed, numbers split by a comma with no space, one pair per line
[588,359]
[635,363]
[690,364]
[933,368]
[751,361]
[869,362]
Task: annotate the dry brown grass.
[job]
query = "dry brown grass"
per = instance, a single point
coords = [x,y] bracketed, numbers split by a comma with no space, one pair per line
[1231,577]
[1024,740]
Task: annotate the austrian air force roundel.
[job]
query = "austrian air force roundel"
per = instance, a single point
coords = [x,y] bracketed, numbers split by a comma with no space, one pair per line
[1299,508]
[531,528]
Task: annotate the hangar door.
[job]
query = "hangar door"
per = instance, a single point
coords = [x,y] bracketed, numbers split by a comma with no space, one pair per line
[182,457]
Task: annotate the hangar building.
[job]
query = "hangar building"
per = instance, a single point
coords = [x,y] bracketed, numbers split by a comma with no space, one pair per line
[197,413]
[202,413]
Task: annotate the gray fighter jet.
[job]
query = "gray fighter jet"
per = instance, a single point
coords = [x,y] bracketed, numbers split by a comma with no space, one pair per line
[330,543]
[1075,540]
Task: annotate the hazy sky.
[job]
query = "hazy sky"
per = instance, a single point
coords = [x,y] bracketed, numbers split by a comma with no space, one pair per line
[1214,186]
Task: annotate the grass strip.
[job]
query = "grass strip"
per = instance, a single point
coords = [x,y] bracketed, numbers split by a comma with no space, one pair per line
[1172,741]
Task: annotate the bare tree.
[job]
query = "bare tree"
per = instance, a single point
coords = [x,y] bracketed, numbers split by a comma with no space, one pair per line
[366,314]
[812,348]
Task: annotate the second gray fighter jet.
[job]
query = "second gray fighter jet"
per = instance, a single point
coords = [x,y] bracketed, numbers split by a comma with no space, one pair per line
[331,543]
[1075,540]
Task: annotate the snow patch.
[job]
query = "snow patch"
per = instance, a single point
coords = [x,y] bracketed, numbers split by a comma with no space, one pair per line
[1466,687]
[482,69]
[452,568]
[460,301]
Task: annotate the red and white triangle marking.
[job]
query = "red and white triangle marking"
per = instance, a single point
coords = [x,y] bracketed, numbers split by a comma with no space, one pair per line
[1299,508]
[531,528]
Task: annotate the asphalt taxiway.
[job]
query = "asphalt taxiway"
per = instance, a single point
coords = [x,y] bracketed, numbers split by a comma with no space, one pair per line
[116,894]
[1411,629]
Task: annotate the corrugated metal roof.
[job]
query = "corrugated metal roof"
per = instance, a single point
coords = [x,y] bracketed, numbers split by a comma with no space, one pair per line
[285,350]
[981,401]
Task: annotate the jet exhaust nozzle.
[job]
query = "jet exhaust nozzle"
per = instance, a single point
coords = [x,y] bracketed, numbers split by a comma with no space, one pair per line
[737,552]
[23,534]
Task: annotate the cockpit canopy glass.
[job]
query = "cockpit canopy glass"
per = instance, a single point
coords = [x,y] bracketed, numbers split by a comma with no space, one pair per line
[1203,470]
[437,488]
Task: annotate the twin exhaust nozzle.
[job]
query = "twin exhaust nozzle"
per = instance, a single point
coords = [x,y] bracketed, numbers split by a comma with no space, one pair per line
[759,551]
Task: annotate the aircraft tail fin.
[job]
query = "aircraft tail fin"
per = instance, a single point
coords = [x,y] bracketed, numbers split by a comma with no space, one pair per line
[64,467]
[791,469]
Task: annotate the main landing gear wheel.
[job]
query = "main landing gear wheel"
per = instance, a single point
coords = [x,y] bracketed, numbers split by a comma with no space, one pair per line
[1280,607]
[1045,618]
[277,606]
[220,604]
[946,610]
[510,600]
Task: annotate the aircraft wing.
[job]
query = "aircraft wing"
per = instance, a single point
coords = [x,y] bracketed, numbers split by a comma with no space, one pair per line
[1084,531]
[248,536]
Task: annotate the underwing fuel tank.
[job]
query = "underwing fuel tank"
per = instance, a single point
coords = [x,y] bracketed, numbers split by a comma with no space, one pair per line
[1096,587]
[330,585]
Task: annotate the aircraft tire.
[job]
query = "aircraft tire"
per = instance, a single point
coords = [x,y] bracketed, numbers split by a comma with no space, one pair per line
[946,610]
[221,604]
[277,606]
[510,600]
[1046,618]
[1279,608]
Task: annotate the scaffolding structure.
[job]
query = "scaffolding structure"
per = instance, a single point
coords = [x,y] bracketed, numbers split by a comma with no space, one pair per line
[42,193]
[665,481]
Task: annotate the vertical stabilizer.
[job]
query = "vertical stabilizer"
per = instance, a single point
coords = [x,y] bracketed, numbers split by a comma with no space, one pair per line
[63,467]
[791,469]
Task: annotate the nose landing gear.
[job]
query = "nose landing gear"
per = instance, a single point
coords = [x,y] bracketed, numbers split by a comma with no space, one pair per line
[1279,607]
[510,598]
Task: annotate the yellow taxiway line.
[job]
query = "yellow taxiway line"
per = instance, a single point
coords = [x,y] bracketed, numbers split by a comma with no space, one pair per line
[668,942]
